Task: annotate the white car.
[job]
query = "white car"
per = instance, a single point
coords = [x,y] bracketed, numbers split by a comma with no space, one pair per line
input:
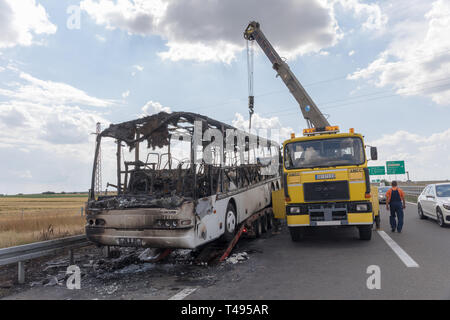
[434,202]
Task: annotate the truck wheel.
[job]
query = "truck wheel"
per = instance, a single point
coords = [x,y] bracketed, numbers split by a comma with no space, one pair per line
[378,221]
[297,233]
[230,223]
[365,232]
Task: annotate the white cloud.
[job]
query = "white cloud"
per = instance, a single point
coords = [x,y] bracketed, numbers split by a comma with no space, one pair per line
[138,68]
[21,21]
[417,61]
[153,107]
[212,30]
[126,94]
[49,92]
[375,18]
[351,53]
[419,153]
[46,139]
[100,38]
[261,124]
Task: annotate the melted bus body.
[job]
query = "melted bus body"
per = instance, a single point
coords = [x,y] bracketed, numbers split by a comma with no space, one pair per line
[182,180]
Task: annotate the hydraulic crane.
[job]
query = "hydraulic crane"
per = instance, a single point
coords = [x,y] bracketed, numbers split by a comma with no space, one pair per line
[326,180]
[310,111]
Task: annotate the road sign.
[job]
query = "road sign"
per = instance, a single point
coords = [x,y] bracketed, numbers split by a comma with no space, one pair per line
[377,171]
[395,167]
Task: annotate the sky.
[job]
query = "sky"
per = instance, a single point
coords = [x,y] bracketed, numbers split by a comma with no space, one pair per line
[381,67]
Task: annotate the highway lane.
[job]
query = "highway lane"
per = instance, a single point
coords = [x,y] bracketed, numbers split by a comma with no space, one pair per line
[328,264]
[332,264]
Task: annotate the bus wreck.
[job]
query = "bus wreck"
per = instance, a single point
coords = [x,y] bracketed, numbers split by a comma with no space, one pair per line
[191,180]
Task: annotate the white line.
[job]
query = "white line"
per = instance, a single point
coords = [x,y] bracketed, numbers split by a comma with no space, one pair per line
[412,203]
[183,294]
[407,260]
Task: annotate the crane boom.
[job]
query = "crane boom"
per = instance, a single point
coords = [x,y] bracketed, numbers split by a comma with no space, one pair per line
[309,109]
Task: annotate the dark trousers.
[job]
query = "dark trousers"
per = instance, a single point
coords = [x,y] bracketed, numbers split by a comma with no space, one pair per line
[396,214]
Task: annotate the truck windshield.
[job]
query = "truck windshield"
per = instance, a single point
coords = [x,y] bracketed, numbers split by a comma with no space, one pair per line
[443,190]
[324,153]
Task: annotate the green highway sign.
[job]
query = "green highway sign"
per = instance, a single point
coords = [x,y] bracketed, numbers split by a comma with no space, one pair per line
[395,167]
[377,171]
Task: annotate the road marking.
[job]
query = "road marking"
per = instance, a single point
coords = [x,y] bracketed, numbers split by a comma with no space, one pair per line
[407,260]
[412,203]
[183,294]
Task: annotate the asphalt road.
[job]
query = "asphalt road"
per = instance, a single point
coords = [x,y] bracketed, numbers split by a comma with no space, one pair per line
[332,264]
[328,264]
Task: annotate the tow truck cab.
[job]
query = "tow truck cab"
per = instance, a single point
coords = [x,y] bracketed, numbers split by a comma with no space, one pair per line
[326,182]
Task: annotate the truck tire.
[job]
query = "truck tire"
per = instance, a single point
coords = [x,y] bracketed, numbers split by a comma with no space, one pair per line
[378,222]
[365,232]
[230,223]
[297,233]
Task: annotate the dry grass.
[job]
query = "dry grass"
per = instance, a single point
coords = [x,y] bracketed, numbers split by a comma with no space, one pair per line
[26,220]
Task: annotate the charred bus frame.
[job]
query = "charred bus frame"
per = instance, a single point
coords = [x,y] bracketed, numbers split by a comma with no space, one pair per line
[188,204]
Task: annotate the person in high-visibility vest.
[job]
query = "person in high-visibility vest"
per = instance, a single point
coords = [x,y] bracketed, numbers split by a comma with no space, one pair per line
[395,201]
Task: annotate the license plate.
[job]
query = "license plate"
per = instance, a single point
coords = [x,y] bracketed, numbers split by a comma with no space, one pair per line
[325,176]
[130,242]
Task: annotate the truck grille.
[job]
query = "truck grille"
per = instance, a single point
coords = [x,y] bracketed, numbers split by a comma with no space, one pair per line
[327,190]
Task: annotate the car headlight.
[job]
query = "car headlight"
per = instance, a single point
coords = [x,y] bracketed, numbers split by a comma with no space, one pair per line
[294,210]
[362,207]
[446,206]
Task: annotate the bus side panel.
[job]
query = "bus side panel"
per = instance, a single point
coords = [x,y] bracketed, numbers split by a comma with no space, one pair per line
[278,204]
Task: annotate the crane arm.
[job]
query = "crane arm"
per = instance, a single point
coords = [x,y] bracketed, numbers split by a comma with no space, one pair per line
[309,109]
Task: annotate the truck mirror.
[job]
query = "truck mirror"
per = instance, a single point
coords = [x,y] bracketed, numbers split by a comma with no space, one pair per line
[373,153]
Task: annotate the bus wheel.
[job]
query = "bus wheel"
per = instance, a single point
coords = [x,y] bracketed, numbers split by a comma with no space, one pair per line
[270,223]
[365,232]
[264,223]
[257,227]
[297,233]
[230,223]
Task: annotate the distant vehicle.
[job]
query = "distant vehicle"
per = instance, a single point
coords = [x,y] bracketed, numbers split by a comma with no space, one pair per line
[434,202]
[382,194]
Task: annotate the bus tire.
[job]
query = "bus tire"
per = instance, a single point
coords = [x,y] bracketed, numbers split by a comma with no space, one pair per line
[297,233]
[365,232]
[230,223]
[264,223]
[270,221]
[257,227]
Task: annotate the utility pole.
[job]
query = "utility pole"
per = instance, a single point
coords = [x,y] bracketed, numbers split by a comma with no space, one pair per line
[98,173]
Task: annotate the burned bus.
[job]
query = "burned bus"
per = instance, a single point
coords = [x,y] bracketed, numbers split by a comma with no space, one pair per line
[181,180]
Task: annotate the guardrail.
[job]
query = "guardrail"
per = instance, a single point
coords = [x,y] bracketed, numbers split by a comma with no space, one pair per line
[413,190]
[25,252]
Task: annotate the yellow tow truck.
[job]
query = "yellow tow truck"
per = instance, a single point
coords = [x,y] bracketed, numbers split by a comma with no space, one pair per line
[326,180]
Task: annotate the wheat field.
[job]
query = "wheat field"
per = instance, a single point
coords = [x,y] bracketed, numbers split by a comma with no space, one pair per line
[36,218]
